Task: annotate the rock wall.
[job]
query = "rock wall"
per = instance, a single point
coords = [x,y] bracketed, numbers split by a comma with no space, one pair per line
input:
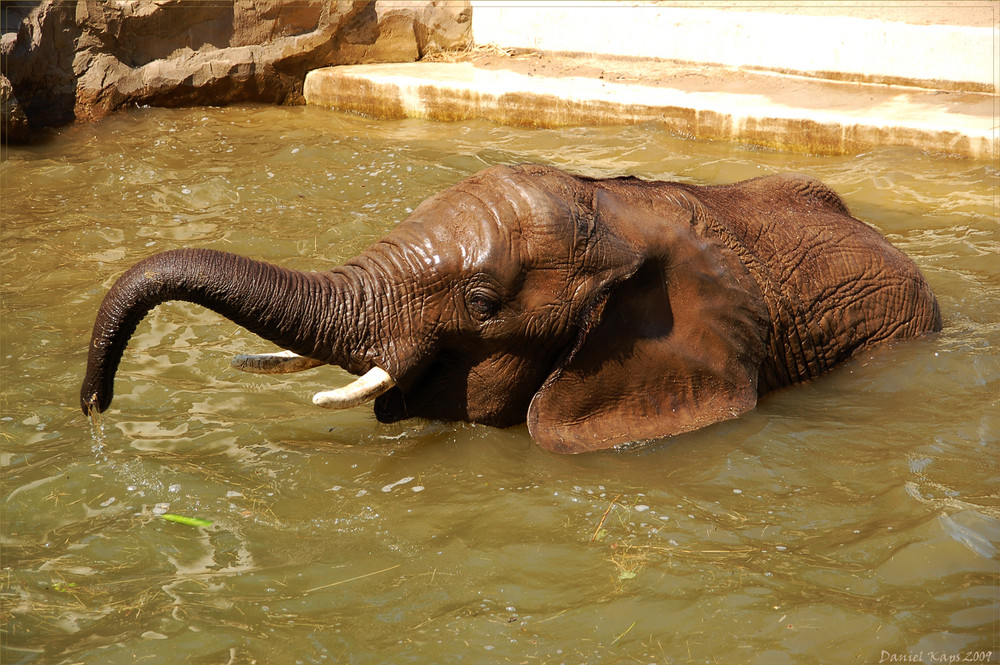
[83,60]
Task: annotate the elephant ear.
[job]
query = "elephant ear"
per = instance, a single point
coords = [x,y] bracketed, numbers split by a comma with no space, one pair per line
[675,344]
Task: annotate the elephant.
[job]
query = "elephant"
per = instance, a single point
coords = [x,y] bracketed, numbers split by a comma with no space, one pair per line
[599,311]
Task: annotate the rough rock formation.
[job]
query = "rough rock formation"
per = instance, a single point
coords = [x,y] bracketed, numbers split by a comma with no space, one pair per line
[408,31]
[83,60]
[15,123]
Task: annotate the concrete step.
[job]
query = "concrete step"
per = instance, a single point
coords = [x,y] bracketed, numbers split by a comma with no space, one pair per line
[776,111]
[763,78]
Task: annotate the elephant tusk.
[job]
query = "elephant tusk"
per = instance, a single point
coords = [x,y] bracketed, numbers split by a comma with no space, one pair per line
[366,388]
[274,363]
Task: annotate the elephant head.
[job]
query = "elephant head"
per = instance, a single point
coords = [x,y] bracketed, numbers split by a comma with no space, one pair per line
[599,311]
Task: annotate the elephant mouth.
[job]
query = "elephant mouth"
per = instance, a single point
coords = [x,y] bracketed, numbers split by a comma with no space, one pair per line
[425,392]
[390,406]
[395,405]
[443,390]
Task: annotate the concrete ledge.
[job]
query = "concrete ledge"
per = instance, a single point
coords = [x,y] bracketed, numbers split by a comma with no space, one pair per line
[782,112]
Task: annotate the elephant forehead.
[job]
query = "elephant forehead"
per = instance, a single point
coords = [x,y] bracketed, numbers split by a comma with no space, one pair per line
[461,231]
[502,220]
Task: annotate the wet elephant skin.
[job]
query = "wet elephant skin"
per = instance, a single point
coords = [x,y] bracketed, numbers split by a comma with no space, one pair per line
[599,311]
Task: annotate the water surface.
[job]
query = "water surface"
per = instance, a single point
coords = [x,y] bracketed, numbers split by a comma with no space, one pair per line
[839,522]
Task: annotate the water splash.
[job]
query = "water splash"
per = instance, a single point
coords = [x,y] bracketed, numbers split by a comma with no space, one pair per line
[98,433]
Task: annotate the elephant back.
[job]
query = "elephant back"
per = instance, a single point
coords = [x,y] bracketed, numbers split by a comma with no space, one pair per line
[832,283]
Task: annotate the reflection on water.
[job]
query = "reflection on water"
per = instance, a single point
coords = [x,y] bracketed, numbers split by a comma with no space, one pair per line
[842,520]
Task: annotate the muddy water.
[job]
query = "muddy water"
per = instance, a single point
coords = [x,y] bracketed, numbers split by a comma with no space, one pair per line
[851,520]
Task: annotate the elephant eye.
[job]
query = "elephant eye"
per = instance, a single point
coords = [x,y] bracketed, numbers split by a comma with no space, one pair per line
[482,304]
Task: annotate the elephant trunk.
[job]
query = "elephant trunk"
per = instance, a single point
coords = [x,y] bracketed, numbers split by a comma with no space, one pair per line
[287,307]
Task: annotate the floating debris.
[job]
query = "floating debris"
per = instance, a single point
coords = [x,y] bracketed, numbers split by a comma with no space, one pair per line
[182,519]
[401,481]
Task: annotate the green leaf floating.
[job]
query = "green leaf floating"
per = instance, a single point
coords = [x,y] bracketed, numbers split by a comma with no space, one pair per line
[190,521]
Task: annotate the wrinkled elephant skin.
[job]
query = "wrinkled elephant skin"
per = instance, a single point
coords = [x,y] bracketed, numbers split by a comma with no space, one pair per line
[599,311]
